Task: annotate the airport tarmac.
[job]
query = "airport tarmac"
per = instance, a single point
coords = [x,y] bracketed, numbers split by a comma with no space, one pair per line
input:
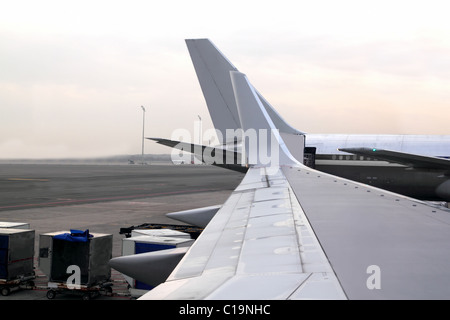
[104,198]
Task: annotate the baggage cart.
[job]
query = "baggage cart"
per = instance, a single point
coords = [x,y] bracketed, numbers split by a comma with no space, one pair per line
[85,292]
[9,286]
[76,262]
[16,259]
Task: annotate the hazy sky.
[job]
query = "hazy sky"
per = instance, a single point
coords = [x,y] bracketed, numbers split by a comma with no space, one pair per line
[73,74]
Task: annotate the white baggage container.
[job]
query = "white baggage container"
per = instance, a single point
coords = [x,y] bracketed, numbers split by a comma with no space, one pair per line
[142,244]
[146,243]
[14,225]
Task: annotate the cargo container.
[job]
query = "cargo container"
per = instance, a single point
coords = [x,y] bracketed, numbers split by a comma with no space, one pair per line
[14,225]
[149,243]
[90,253]
[16,258]
[16,253]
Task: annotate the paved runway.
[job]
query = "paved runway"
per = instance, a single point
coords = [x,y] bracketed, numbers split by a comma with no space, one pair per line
[105,198]
[33,186]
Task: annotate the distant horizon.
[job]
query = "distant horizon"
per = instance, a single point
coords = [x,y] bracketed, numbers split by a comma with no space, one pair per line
[136,157]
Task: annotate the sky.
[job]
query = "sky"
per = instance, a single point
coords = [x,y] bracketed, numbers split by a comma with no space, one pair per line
[74,74]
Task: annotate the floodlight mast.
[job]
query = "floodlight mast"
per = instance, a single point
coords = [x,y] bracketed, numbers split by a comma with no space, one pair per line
[200,130]
[143,130]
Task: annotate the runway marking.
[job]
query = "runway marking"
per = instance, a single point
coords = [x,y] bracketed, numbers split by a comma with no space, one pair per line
[56,203]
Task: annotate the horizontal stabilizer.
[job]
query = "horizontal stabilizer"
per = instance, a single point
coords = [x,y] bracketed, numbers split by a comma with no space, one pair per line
[199,217]
[209,155]
[151,268]
[408,159]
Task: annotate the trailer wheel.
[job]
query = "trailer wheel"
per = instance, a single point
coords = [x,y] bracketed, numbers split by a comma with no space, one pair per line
[5,291]
[86,296]
[51,294]
[106,291]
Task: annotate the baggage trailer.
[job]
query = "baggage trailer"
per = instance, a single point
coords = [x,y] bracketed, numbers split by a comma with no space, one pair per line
[76,262]
[86,292]
[16,259]
[25,282]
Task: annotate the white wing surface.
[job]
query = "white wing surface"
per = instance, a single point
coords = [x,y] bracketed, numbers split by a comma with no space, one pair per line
[302,234]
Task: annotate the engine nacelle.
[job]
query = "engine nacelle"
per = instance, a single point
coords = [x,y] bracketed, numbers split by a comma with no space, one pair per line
[199,217]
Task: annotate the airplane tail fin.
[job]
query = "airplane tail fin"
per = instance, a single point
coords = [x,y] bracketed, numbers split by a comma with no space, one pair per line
[213,72]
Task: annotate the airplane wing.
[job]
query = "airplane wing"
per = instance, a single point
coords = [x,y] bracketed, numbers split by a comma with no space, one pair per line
[301,234]
[408,159]
[258,246]
[291,232]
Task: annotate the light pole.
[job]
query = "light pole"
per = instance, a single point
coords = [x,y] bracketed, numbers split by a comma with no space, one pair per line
[200,130]
[198,148]
[143,129]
